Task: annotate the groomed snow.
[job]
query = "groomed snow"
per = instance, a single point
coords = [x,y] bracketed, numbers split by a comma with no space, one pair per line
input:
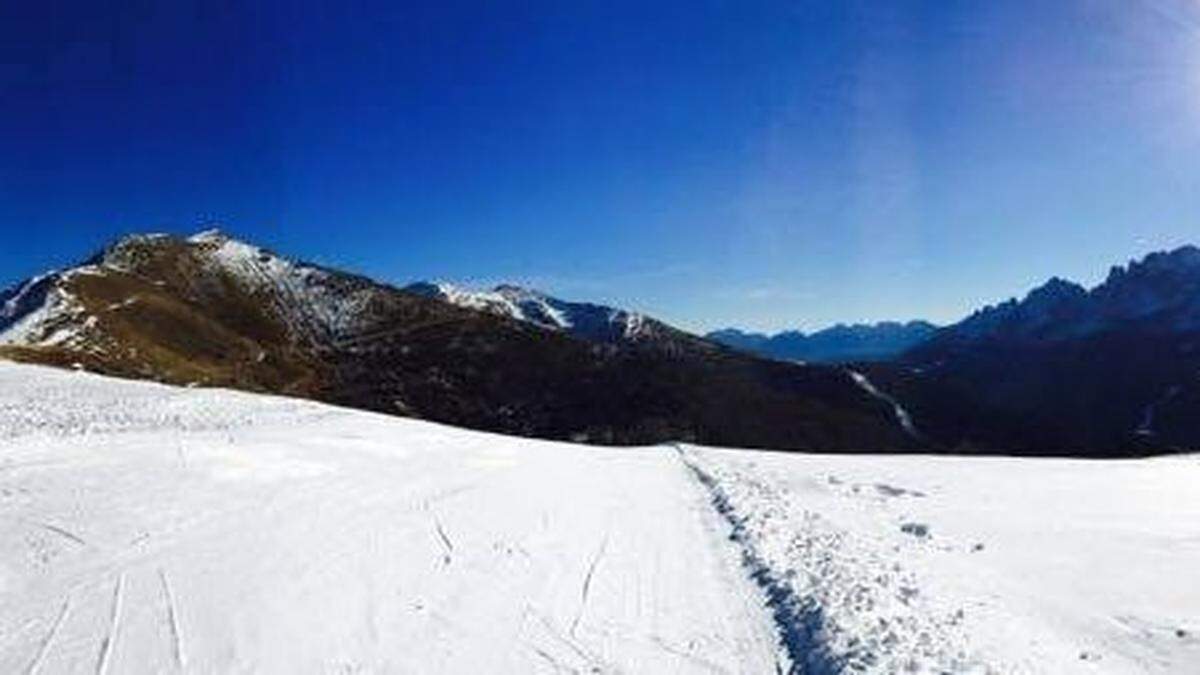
[145,528]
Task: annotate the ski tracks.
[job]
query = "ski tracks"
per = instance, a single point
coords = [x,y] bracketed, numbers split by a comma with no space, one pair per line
[173,626]
[591,661]
[587,583]
[64,533]
[116,622]
[44,648]
[113,631]
[114,627]
[444,540]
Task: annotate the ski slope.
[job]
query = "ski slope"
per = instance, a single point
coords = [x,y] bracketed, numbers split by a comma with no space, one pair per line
[150,529]
[956,564]
[147,529]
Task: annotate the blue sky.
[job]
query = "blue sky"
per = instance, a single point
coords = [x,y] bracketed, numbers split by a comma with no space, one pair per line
[761,164]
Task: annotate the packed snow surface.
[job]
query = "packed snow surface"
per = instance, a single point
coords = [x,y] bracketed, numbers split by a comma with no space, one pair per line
[949,564]
[148,529]
[145,528]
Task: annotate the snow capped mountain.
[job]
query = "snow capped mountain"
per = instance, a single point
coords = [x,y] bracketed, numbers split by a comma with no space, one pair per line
[584,320]
[319,307]
[315,305]
[840,343]
[212,310]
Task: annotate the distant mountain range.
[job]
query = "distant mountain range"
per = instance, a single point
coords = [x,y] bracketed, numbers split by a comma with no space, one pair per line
[1108,371]
[1114,370]
[214,311]
[838,344]
[599,323]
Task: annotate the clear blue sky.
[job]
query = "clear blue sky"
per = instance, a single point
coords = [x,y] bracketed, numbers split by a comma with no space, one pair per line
[760,164]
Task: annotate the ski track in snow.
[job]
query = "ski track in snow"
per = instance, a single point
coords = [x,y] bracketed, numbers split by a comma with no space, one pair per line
[48,641]
[66,534]
[445,540]
[114,627]
[173,621]
[587,584]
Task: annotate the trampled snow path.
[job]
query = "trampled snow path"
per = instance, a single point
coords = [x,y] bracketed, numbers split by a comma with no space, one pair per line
[952,564]
[153,529]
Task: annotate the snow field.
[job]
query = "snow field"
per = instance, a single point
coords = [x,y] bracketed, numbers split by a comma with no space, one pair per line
[155,529]
[953,564]
[146,528]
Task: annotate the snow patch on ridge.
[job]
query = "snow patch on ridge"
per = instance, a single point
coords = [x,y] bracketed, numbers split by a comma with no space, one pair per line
[585,320]
[13,305]
[315,309]
[513,302]
[488,301]
[48,321]
[28,329]
[206,236]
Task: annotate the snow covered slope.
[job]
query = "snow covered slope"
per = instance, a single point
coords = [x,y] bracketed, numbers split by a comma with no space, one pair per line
[148,529]
[944,564]
[145,528]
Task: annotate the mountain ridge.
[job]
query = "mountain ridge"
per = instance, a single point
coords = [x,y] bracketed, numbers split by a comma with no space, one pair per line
[1162,288]
[1114,369]
[590,321]
[1109,371]
[214,311]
